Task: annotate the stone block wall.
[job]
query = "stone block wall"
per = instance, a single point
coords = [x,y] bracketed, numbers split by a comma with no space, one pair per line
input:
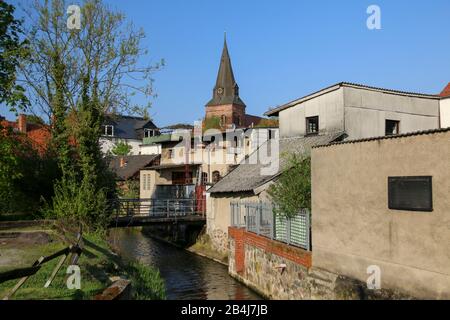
[278,271]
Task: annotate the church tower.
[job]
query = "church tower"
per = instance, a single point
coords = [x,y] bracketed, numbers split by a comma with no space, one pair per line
[225,103]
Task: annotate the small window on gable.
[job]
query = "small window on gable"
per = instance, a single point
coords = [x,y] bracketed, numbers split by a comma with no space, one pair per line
[312,125]
[392,127]
[108,130]
[149,133]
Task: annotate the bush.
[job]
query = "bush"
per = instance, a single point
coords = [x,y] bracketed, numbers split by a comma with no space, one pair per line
[292,191]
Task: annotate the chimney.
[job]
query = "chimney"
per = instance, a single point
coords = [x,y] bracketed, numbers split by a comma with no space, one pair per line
[22,123]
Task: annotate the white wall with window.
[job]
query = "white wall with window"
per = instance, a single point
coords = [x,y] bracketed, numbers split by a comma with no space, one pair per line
[147,183]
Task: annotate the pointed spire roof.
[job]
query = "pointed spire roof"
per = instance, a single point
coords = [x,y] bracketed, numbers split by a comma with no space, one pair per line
[226,90]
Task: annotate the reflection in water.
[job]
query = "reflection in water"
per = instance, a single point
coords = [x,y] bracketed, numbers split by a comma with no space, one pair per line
[187,276]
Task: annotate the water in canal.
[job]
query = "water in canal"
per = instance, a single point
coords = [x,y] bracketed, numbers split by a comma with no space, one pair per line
[187,276]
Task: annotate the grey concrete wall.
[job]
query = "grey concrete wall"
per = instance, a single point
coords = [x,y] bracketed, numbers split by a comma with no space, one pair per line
[366,112]
[353,228]
[361,113]
[329,107]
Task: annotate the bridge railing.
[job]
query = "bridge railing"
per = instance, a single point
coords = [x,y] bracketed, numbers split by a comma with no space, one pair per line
[158,208]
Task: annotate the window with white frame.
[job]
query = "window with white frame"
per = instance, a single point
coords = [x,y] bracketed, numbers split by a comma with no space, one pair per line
[149,133]
[108,130]
[146,182]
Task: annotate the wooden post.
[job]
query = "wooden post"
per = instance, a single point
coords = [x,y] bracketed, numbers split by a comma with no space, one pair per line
[22,281]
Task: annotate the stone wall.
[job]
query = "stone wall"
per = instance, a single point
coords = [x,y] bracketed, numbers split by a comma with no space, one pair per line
[278,271]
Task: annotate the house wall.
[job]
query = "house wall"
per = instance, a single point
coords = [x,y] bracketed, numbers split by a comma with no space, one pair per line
[147,194]
[366,112]
[150,149]
[329,107]
[353,228]
[218,217]
[107,144]
[361,113]
[445,113]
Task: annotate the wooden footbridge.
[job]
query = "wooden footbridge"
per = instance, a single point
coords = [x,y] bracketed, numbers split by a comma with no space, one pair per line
[141,212]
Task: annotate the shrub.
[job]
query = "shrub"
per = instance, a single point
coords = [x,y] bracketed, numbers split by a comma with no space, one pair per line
[292,191]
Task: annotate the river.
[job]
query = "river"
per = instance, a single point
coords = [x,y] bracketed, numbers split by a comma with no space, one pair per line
[187,276]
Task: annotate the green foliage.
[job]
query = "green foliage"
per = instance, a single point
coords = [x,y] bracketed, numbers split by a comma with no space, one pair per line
[146,281]
[12,51]
[131,189]
[211,123]
[25,175]
[292,191]
[121,148]
[267,123]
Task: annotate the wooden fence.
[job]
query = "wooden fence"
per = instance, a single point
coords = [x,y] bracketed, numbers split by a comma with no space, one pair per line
[71,253]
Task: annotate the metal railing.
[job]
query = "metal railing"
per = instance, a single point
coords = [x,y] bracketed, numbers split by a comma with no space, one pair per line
[158,208]
[259,218]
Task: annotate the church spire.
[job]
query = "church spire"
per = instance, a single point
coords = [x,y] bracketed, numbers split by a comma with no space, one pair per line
[226,90]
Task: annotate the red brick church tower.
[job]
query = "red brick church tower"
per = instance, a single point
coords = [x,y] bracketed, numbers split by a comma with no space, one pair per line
[225,103]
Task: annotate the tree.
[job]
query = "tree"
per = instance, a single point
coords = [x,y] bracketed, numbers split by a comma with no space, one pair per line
[12,51]
[75,77]
[292,191]
[121,149]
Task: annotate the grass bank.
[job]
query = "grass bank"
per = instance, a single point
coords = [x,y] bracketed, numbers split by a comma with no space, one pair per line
[98,264]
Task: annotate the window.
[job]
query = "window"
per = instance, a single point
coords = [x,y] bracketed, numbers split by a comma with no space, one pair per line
[108,130]
[312,125]
[392,127]
[410,193]
[223,120]
[170,153]
[215,176]
[204,178]
[149,133]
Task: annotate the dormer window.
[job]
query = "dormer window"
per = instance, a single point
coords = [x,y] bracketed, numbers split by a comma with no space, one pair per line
[149,133]
[108,130]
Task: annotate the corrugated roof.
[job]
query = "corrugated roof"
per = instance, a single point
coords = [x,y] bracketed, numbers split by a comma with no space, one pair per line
[132,165]
[346,84]
[247,177]
[397,136]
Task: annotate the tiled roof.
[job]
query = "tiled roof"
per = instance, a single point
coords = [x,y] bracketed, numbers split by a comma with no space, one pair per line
[247,177]
[132,165]
[397,136]
[39,134]
[446,91]
[275,110]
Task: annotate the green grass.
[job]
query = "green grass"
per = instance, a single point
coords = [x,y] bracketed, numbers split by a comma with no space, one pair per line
[97,264]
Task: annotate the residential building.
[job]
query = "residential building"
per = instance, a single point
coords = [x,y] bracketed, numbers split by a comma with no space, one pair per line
[358,110]
[127,171]
[127,129]
[340,112]
[382,205]
[38,133]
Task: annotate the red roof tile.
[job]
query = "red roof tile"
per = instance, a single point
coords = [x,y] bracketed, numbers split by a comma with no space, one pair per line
[446,91]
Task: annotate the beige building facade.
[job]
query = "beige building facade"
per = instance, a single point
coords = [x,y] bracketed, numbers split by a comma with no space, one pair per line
[353,227]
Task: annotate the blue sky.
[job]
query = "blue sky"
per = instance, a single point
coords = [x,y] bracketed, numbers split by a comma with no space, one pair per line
[283,49]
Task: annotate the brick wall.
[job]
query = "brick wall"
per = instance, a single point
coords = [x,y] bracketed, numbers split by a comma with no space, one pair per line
[241,237]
